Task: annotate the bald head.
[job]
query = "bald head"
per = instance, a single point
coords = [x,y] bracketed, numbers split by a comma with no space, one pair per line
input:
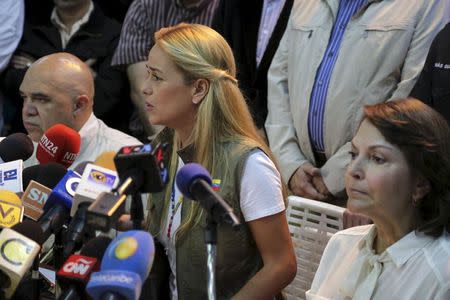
[57,88]
[66,72]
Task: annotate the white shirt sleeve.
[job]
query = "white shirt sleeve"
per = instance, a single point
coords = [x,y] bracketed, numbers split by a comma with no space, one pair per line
[261,193]
[11,18]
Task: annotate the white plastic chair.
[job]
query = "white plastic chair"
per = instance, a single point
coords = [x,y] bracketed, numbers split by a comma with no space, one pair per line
[311,224]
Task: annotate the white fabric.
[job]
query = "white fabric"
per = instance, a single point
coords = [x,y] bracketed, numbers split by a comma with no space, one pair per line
[96,138]
[11,20]
[67,33]
[269,17]
[260,196]
[415,267]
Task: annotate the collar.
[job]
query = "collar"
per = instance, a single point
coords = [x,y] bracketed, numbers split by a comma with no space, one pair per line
[402,250]
[88,131]
[60,25]
[166,137]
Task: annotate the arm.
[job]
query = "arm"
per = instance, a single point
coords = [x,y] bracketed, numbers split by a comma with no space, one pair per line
[431,20]
[434,16]
[262,206]
[296,170]
[275,245]
[423,87]
[11,30]
[279,124]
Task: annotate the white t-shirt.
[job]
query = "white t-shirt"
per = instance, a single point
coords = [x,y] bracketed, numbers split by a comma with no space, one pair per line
[415,267]
[260,196]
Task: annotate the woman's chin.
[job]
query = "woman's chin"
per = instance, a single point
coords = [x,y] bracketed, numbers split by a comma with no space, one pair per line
[357,206]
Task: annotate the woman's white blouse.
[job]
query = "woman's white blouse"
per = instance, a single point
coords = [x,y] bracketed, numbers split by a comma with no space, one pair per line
[415,267]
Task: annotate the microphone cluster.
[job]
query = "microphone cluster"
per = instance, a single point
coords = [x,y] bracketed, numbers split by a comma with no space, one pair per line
[73,204]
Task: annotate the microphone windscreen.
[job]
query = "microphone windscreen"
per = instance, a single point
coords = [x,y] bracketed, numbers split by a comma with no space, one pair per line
[11,209]
[96,247]
[188,174]
[31,230]
[106,160]
[16,146]
[131,251]
[10,198]
[30,173]
[59,144]
[81,166]
[48,175]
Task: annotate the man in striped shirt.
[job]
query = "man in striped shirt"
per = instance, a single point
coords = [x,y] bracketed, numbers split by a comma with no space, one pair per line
[143,19]
[334,58]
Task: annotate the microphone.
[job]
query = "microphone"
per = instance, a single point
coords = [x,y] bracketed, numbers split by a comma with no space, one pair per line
[141,169]
[18,249]
[59,144]
[94,181]
[76,271]
[194,182]
[125,266]
[58,204]
[11,209]
[16,146]
[41,180]
[11,176]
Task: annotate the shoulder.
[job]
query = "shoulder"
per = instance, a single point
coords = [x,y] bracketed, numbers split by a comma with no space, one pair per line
[116,137]
[438,257]
[355,231]
[350,236]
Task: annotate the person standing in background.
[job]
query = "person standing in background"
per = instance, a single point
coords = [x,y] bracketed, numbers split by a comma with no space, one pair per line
[334,58]
[433,85]
[80,28]
[253,28]
[12,14]
[143,19]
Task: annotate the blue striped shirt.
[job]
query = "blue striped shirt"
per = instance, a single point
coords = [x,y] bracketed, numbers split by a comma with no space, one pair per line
[269,17]
[347,9]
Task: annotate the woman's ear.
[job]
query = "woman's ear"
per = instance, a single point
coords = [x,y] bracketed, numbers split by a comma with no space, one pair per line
[421,189]
[201,88]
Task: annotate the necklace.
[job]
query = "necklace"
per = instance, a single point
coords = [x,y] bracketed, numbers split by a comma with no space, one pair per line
[174,207]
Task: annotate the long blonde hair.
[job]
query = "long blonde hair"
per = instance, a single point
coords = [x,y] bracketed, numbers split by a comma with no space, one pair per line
[200,52]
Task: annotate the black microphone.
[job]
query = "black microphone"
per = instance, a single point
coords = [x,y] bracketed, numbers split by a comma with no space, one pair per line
[75,272]
[16,146]
[48,175]
[39,181]
[141,169]
[194,182]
